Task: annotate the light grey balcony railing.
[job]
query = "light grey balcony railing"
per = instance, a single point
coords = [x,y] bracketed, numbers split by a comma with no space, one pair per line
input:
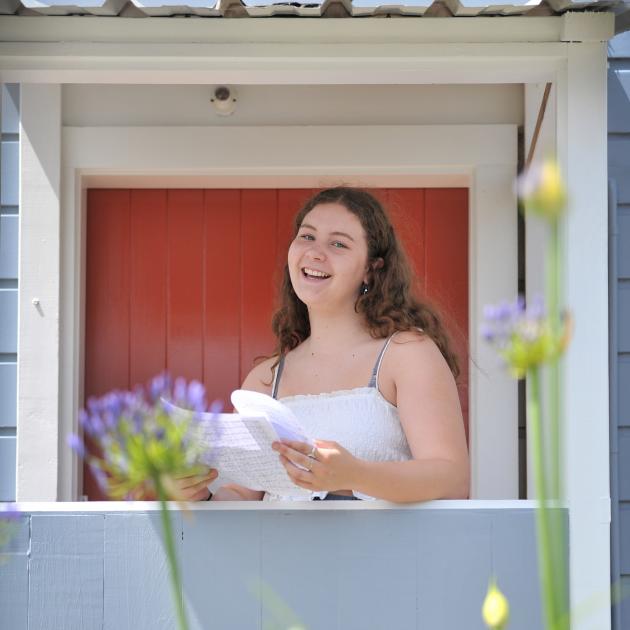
[323,566]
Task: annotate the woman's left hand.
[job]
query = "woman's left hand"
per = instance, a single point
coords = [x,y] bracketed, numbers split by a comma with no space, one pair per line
[330,468]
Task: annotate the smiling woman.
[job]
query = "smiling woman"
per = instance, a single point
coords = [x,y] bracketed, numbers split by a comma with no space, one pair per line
[366,365]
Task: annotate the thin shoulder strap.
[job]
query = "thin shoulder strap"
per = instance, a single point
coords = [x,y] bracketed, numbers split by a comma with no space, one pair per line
[377,366]
[276,377]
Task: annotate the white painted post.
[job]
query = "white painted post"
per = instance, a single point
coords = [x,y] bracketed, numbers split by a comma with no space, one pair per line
[582,144]
[494,394]
[38,302]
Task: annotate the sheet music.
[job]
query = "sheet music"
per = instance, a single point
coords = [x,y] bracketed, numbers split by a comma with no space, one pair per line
[238,445]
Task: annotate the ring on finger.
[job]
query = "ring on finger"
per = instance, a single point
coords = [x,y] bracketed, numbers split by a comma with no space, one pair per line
[313,453]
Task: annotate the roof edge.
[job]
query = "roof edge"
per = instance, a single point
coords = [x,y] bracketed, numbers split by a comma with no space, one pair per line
[570,27]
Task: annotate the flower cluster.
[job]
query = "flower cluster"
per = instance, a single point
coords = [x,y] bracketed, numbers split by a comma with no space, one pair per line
[523,335]
[142,437]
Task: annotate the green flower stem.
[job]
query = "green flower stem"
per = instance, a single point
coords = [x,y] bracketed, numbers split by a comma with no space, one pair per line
[545,560]
[554,282]
[172,558]
[553,285]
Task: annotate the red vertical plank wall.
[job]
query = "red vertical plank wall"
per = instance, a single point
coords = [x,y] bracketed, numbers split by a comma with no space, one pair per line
[222,292]
[185,280]
[147,272]
[446,270]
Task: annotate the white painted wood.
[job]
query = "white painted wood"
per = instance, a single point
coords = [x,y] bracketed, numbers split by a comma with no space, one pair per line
[326,51]
[106,507]
[536,232]
[587,27]
[582,152]
[435,30]
[407,156]
[38,332]
[281,105]
[280,64]
[493,393]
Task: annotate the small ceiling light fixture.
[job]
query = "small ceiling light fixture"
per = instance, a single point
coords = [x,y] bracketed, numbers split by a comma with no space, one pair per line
[224,100]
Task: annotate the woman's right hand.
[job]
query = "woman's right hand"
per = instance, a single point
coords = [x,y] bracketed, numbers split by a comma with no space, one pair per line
[192,487]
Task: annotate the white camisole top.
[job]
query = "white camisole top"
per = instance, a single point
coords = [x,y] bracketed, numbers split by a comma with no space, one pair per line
[361,419]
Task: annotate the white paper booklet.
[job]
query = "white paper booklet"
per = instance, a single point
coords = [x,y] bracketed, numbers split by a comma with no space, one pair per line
[238,445]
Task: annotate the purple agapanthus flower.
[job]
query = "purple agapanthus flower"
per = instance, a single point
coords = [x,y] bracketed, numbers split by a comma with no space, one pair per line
[159,386]
[145,435]
[521,333]
[506,319]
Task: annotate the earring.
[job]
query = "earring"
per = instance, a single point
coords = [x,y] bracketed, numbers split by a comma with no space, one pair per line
[364,288]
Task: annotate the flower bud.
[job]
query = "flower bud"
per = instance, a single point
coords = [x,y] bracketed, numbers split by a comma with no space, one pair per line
[542,190]
[496,609]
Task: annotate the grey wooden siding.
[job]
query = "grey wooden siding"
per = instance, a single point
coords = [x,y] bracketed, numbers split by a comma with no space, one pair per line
[9,220]
[317,567]
[619,174]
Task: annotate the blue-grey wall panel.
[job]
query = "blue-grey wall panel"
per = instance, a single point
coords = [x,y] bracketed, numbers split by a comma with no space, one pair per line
[507,561]
[338,569]
[14,576]
[8,320]
[624,465]
[8,394]
[9,246]
[14,592]
[9,173]
[623,374]
[623,315]
[624,541]
[377,554]
[19,539]
[623,259]
[137,589]
[468,537]
[221,578]
[625,602]
[364,563]
[618,46]
[7,470]
[619,97]
[66,572]
[10,108]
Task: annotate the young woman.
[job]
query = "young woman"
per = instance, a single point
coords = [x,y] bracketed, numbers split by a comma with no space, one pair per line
[365,366]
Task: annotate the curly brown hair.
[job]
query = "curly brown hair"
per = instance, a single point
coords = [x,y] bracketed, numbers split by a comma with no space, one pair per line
[390,304]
